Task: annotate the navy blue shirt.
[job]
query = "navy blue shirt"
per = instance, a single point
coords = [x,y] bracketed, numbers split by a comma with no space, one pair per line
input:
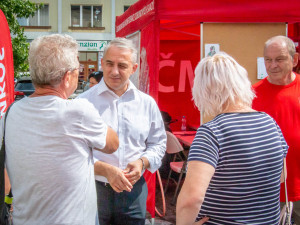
[247,151]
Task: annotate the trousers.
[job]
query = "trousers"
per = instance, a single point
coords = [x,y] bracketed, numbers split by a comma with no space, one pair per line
[125,208]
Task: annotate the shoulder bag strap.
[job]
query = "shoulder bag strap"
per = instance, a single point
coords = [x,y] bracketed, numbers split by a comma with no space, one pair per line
[2,164]
[288,205]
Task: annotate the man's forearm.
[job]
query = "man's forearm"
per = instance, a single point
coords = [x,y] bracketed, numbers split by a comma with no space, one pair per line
[101,168]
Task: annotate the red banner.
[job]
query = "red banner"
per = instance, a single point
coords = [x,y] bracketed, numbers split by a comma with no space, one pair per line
[6,66]
[178,60]
[139,14]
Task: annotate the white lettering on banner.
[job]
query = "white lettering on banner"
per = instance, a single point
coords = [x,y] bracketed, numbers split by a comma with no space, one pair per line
[148,8]
[186,72]
[3,73]
[3,104]
[185,69]
[2,91]
[163,63]
[2,54]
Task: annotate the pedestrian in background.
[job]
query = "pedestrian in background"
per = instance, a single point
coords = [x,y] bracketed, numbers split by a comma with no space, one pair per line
[95,78]
[49,139]
[279,96]
[236,160]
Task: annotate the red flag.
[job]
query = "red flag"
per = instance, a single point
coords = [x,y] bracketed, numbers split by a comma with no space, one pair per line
[6,66]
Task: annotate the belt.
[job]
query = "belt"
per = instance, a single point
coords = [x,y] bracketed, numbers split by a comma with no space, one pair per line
[104,184]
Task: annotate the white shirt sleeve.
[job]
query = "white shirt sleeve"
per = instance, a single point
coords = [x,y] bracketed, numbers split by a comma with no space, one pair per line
[156,141]
[94,128]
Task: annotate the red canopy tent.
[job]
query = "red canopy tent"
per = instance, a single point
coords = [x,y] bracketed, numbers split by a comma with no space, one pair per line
[169,34]
[170,41]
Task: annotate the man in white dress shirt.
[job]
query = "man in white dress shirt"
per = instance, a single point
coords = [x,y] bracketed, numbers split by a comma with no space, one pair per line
[134,115]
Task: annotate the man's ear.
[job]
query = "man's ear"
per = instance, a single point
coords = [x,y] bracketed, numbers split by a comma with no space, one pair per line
[66,79]
[135,66]
[295,59]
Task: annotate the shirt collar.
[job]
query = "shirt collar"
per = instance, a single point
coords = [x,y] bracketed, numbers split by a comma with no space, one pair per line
[102,87]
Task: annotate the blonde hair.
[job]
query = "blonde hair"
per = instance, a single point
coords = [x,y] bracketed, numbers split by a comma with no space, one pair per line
[50,57]
[220,82]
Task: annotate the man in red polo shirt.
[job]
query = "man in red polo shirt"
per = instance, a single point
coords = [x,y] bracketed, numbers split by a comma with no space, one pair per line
[279,96]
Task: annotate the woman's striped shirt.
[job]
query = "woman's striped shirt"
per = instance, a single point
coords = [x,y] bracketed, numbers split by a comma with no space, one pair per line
[247,151]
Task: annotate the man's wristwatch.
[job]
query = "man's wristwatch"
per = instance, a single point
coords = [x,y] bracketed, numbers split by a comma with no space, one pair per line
[143,163]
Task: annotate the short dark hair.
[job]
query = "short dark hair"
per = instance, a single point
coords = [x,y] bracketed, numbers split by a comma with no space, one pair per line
[97,75]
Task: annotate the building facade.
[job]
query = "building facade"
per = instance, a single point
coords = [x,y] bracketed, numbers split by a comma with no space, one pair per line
[90,22]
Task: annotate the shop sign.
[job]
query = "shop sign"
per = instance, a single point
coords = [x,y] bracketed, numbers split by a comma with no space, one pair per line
[94,46]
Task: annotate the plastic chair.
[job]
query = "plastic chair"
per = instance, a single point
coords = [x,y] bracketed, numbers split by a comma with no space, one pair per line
[174,147]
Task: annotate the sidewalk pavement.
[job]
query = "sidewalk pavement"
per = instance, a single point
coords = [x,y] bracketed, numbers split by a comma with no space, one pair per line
[158,221]
[170,215]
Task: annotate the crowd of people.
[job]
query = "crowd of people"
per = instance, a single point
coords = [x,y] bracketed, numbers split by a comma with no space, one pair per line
[81,161]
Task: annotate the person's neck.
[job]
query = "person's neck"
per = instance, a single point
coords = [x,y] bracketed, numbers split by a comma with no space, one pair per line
[237,108]
[120,91]
[48,90]
[284,81]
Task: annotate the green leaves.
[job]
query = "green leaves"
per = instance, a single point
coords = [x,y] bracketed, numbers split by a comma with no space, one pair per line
[13,9]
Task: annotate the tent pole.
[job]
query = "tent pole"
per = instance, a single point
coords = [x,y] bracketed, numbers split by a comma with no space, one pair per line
[201,56]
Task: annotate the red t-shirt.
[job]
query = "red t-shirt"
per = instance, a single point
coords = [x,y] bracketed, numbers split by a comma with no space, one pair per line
[282,102]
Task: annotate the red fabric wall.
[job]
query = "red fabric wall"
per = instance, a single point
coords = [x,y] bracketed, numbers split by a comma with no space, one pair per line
[6,66]
[148,82]
[178,59]
[148,61]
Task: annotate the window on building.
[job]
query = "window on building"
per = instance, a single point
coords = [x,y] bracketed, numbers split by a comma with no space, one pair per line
[126,7]
[41,18]
[86,16]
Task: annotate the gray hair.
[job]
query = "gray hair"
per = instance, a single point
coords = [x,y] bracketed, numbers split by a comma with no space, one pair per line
[283,40]
[123,43]
[50,57]
[220,82]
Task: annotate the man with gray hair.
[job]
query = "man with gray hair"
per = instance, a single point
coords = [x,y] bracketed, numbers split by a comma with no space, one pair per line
[49,138]
[279,96]
[121,188]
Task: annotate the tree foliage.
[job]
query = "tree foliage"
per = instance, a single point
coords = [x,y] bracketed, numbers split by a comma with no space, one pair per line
[13,9]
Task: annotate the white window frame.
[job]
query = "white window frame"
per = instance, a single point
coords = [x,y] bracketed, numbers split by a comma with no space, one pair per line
[81,14]
[38,17]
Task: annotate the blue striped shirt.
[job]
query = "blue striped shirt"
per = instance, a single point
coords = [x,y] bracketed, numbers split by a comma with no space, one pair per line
[247,151]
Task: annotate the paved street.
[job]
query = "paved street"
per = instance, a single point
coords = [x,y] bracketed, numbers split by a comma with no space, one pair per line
[170,216]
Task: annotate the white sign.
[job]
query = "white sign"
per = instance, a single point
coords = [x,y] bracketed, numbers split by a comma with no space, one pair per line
[261,69]
[211,49]
[94,46]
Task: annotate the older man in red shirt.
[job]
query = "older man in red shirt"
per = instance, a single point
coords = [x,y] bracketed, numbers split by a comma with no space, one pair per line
[279,96]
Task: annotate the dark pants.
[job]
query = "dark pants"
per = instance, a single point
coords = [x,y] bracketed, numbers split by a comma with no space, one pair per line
[125,208]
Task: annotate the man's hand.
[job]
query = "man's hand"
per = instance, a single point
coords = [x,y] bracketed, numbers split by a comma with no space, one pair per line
[133,171]
[114,175]
[117,180]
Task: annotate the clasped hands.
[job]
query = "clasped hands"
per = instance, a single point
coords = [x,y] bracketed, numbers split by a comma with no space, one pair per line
[123,180]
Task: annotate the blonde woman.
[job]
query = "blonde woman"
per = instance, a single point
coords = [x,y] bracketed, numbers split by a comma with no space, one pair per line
[235,161]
